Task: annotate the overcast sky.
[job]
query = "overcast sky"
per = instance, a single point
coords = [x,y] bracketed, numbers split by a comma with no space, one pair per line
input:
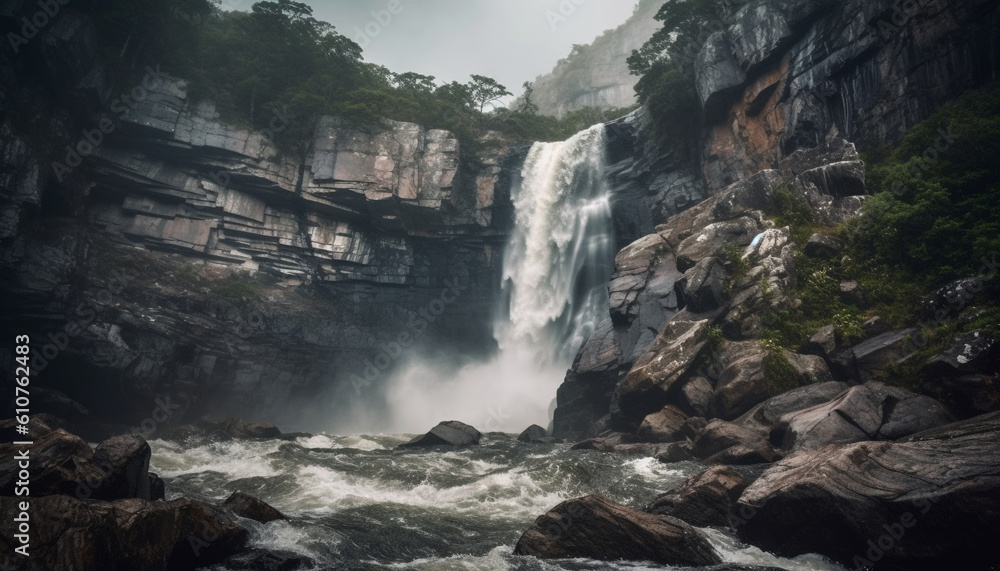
[510,40]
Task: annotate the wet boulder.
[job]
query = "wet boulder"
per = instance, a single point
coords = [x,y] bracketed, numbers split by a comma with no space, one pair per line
[769,413]
[823,247]
[654,377]
[922,503]
[535,433]
[704,500]
[701,287]
[862,361]
[594,527]
[976,352]
[720,435]
[448,433]
[873,411]
[267,560]
[662,426]
[125,463]
[250,507]
[68,533]
[60,464]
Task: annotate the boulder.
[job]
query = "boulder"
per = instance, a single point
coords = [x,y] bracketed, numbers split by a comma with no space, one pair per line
[951,299]
[534,433]
[676,452]
[823,247]
[720,435]
[823,342]
[851,293]
[448,433]
[250,507]
[663,426]
[60,464]
[862,361]
[157,488]
[769,413]
[875,326]
[696,396]
[745,381]
[922,503]
[67,533]
[756,452]
[704,500]
[125,462]
[838,179]
[651,381]
[701,288]
[711,239]
[873,411]
[594,527]
[976,352]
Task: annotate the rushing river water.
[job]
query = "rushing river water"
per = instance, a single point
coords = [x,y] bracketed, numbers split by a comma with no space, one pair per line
[354,502]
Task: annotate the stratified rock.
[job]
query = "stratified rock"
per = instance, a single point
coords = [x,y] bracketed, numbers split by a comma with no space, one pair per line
[663,426]
[534,433]
[646,388]
[125,462]
[921,504]
[769,413]
[755,452]
[67,533]
[823,247]
[448,433]
[873,411]
[704,500]
[862,361]
[839,179]
[245,505]
[594,527]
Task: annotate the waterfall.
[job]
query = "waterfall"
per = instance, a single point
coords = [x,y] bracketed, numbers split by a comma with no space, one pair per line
[555,272]
[558,261]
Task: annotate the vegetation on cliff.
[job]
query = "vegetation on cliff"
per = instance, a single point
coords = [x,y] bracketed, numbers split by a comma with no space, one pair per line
[277,59]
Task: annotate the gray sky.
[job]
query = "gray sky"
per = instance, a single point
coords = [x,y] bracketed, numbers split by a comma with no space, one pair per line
[510,40]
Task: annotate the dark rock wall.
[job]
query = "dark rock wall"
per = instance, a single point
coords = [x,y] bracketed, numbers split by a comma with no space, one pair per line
[156,254]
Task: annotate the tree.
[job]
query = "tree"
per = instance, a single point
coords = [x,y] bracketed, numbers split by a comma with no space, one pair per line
[527,105]
[486,90]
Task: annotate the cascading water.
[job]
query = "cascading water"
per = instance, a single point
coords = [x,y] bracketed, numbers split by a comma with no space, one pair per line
[555,271]
[558,261]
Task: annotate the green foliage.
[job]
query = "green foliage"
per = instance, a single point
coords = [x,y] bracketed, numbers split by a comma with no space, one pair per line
[779,373]
[669,95]
[732,257]
[714,337]
[237,287]
[794,212]
[936,204]
[278,68]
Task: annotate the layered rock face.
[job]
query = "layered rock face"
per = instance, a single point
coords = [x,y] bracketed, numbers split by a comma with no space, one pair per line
[165,254]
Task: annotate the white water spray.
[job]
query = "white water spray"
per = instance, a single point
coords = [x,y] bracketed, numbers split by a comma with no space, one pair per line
[556,268]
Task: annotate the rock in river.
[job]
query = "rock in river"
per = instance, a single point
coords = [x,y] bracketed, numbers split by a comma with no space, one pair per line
[449,433]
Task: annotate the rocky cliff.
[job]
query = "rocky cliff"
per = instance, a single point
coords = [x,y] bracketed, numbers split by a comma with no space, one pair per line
[596,75]
[789,91]
[152,251]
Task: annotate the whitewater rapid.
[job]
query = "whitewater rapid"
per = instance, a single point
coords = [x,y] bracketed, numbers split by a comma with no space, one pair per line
[354,502]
